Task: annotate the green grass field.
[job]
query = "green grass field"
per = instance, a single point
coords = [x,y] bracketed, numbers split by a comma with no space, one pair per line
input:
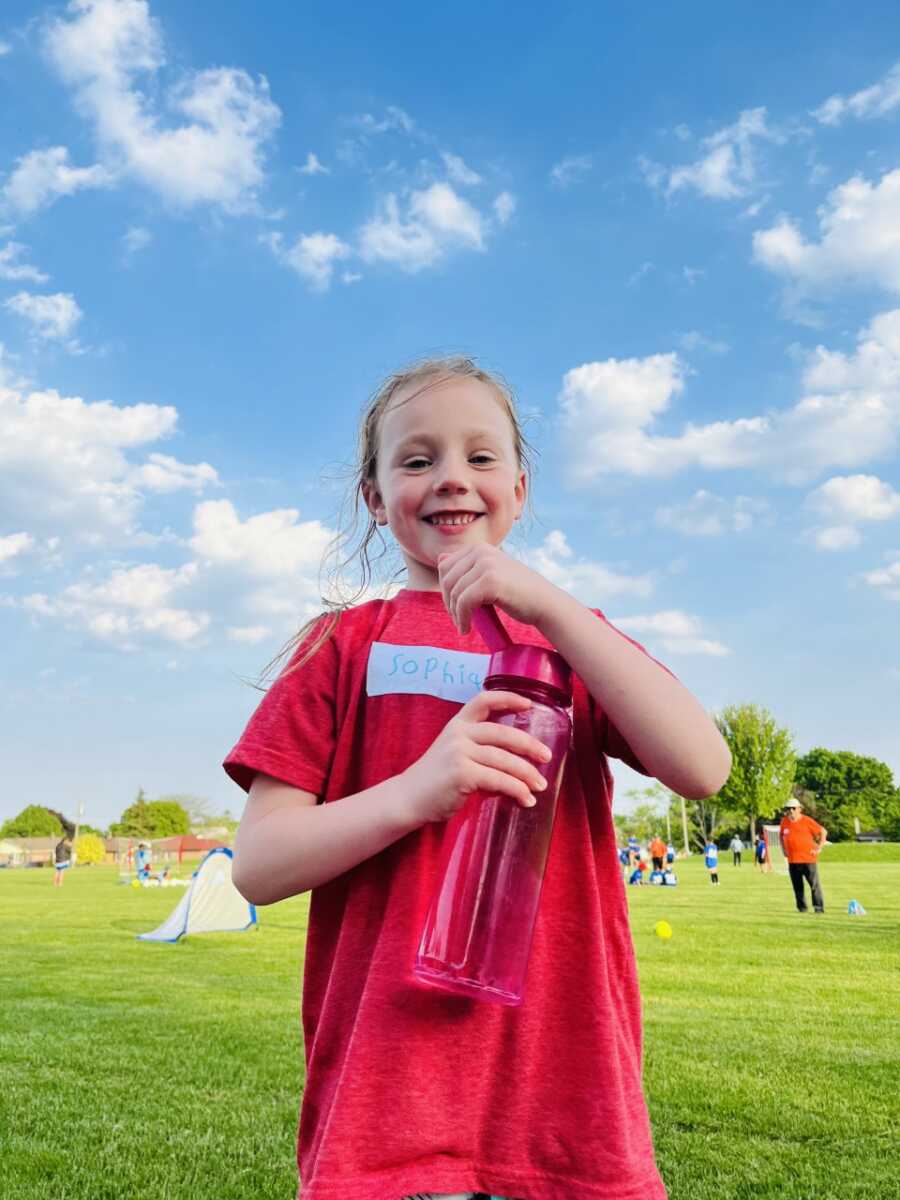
[174,1072]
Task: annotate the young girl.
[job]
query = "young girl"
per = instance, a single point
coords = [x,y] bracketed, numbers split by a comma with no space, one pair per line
[364,747]
[712,860]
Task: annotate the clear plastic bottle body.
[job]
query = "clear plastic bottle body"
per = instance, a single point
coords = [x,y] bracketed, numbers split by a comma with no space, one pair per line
[478,931]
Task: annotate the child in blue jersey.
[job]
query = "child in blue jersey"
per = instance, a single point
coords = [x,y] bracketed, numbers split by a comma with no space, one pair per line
[712,861]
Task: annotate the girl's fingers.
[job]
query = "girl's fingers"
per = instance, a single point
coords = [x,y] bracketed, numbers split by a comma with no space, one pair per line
[468,596]
[490,781]
[517,741]
[513,765]
[480,707]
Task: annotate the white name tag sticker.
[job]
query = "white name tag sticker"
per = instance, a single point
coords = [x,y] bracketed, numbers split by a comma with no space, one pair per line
[426,671]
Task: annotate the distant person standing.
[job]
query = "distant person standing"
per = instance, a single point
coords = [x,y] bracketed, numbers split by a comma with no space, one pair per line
[736,846]
[62,859]
[712,861]
[142,860]
[657,850]
[670,854]
[801,840]
[761,854]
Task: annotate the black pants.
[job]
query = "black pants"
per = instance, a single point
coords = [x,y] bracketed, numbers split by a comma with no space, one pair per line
[657,863]
[737,858]
[810,872]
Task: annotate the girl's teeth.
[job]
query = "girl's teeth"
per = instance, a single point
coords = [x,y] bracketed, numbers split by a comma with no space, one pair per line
[452,520]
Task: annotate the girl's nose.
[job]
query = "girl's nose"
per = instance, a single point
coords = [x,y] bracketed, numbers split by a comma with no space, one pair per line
[451,480]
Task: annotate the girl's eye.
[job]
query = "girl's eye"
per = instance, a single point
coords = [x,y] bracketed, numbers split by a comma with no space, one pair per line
[482,458]
[415,463]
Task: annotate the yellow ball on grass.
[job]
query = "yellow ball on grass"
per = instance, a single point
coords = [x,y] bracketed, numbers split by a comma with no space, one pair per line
[663,930]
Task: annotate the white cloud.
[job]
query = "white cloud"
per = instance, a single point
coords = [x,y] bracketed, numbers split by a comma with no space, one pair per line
[11,269]
[14,544]
[695,340]
[162,473]
[848,414]
[135,240]
[52,317]
[876,101]
[846,500]
[436,221]
[313,256]
[887,578]
[271,545]
[837,537]
[5,48]
[589,581]
[636,276]
[504,206]
[214,156]
[66,464]
[708,515]
[728,168]
[677,633]
[858,240]
[42,176]
[312,166]
[857,498]
[247,633]
[132,606]
[459,172]
[396,119]
[571,170]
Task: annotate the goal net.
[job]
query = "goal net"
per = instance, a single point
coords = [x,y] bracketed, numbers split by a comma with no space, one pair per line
[776,854]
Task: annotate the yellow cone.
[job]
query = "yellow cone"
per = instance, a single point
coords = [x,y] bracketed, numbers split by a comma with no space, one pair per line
[663,929]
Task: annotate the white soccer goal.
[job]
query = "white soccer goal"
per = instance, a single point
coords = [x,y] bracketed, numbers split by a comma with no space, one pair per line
[212,904]
[776,854]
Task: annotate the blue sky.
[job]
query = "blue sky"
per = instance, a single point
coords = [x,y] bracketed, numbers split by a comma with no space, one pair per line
[674,231]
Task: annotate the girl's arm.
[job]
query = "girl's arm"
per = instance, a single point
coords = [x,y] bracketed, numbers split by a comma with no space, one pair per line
[665,726]
[287,843]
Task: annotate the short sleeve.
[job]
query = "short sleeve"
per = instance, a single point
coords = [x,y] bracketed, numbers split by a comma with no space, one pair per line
[292,734]
[609,739]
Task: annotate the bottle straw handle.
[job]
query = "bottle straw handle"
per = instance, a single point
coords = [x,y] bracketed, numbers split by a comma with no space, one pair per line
[490,627]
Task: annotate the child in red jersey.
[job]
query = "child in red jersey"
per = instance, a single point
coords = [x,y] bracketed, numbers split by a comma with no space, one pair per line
[374,735]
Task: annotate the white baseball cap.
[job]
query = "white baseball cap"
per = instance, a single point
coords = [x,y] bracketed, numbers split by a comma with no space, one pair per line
[792,803]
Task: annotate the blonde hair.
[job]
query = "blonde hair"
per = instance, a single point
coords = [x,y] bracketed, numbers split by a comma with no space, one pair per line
[351,543]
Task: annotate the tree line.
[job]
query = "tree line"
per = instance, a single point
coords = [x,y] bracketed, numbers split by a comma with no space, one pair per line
[150,819]
[839,789]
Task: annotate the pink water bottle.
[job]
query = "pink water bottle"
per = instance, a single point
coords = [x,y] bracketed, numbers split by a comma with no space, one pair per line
[478,931]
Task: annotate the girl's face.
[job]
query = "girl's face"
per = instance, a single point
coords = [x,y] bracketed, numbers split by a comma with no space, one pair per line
[448,476]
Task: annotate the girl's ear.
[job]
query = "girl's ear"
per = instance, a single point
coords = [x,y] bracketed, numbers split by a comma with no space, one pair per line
[374,503]
[521,491]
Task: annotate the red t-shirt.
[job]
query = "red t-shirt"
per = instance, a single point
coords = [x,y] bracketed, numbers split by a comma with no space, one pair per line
[409,1089]
[797,839]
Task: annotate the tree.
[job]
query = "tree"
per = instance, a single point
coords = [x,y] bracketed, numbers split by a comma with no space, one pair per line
[763,761]
[151,819]
[89,849]
[33,821]
[841,787]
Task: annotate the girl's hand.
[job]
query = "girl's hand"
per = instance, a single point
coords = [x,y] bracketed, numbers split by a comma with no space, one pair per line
[474,753]
[486,575]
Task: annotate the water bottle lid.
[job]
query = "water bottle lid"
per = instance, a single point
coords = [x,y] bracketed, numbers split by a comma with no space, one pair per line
[533,663]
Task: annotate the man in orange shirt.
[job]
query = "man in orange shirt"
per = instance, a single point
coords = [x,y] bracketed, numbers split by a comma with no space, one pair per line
[801,840]
[657,850]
